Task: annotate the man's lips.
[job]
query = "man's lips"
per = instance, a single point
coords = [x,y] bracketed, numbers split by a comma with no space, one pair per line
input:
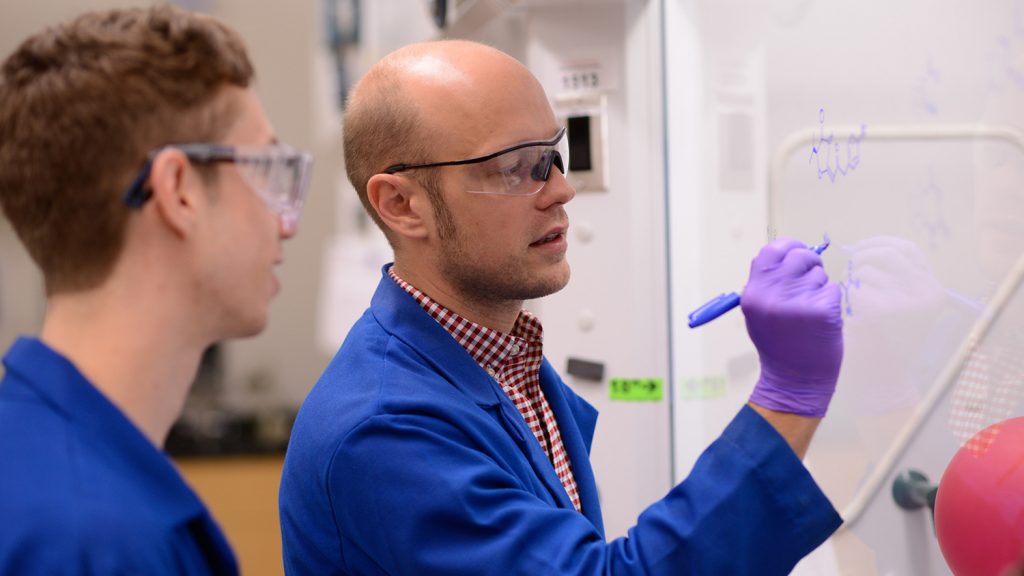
[550,236]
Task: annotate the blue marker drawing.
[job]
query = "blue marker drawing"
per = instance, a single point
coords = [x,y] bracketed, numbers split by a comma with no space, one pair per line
[1007,73]
[1006,55]
[924,88]
[853,282]
[964,300]
[828,147]
[844,287]
[724,302]
[926,208]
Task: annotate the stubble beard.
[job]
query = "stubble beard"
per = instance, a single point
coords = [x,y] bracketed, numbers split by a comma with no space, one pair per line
[494,282]
[487,283]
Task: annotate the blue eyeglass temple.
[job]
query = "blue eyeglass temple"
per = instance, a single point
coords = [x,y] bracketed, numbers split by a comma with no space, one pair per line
[138,193]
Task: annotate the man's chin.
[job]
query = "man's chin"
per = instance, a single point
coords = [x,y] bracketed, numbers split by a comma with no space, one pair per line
[549,286]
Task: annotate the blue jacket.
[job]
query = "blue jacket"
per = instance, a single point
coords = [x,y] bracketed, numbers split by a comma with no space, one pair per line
[82,490]
[407,458]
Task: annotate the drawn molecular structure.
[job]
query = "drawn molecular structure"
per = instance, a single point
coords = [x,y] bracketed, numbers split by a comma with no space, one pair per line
[845,285]
[927,209]
[828,152]
[925,87]
[1007,55]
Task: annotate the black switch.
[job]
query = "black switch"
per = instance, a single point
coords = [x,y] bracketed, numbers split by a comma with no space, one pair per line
[579,143]
[585,369]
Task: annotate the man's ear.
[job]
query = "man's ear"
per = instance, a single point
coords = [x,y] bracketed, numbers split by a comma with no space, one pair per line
[175,193]
[402,205]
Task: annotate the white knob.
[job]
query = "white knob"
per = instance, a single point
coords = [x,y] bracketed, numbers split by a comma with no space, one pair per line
[584,231]
[586,320]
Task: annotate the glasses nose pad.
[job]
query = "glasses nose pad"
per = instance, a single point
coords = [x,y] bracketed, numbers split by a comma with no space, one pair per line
[542,169]
[557,158]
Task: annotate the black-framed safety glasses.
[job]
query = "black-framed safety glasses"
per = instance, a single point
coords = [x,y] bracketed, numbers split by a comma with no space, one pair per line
[520,170]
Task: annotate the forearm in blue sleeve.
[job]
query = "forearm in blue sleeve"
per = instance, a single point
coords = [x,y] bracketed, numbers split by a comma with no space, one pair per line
[749,506]
[412,495]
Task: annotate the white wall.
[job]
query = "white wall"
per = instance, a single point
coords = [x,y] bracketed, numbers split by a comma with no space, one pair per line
[887,65]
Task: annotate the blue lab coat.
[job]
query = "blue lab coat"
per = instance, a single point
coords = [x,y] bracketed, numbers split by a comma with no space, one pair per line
[82,490]
[407,458]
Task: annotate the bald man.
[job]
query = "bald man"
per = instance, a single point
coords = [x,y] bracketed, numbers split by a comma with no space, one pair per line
[439,440]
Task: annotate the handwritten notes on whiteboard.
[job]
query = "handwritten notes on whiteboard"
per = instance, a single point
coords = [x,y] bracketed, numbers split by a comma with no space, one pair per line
[835,157]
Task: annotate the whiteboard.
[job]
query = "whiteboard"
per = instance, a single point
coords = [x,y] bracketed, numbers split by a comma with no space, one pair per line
[897,130]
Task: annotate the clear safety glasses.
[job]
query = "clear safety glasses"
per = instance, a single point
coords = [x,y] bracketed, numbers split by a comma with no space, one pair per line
[278,173]
[520,170]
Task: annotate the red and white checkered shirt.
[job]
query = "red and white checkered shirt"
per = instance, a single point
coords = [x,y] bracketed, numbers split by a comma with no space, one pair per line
[513,360]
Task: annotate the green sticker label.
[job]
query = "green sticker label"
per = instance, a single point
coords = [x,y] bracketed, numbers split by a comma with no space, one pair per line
[637,389]
[705,388]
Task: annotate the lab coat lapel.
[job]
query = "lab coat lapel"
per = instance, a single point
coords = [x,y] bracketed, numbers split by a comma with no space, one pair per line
[399,314]
[515,424]
[577,430]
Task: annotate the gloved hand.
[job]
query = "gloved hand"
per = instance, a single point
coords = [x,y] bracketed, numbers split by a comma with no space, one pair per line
[794,317]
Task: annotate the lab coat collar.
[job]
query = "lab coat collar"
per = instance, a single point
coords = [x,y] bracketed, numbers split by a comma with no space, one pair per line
[399,314]
[42,371]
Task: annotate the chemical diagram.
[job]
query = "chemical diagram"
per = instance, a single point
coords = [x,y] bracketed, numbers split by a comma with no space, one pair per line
[829,152]
[925,87]
[845,285]
[926,209]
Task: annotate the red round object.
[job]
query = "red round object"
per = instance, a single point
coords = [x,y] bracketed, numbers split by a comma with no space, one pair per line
[979,507]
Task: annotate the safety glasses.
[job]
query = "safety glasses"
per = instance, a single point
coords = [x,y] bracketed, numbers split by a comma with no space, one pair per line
[277,173]
[520,170]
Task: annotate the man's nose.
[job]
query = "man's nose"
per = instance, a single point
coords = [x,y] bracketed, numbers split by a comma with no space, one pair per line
[557,189]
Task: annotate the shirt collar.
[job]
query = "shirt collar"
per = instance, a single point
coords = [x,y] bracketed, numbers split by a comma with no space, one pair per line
[488,347]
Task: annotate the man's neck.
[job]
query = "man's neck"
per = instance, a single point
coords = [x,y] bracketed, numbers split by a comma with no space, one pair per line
[138,355]
[496,315]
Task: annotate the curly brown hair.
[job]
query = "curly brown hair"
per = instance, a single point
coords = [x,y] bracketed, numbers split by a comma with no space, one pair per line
[81,106]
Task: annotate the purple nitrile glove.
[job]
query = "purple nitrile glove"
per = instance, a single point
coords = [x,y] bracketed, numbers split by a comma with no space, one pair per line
[794,317]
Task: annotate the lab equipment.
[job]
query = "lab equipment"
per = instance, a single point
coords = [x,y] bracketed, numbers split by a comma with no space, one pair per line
[980,502]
